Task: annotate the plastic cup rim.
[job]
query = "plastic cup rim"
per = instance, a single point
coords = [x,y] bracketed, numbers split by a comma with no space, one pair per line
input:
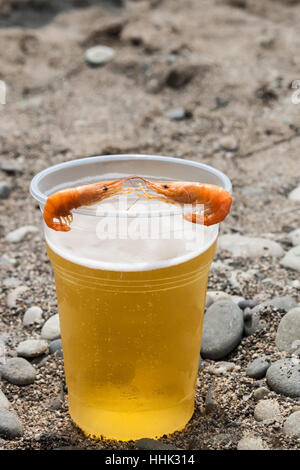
[42,198]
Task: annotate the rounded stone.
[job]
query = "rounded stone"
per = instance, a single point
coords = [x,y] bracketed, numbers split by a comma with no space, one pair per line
[292,424]
[295,194]
[32,315]
[20,233]
[288,330]
[222,102]
[4,403]
[10,426]
[18,371]
[266,410]
[222,329]
[284,377]
[5,190]
[258,368]
[32,348]
[56,347]
[51,328]
[251,443]
[176,114]
[229,142]
[248,247]
[260,393]
[11,167]
[294,237]
[292,259]
[14,295]
[99,55]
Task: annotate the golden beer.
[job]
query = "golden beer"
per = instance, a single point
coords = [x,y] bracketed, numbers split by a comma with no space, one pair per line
[131,309]
[131,344]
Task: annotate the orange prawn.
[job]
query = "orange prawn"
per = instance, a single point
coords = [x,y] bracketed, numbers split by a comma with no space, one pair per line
[60,204]
[216,200]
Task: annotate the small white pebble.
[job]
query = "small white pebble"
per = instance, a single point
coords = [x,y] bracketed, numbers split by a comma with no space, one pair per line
[99,55]
[32,315]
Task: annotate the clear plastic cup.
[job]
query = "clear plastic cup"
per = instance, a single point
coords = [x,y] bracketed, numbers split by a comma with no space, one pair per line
[131,310]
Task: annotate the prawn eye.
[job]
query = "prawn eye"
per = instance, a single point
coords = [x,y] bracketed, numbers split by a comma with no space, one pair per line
[105,188]
[165,186]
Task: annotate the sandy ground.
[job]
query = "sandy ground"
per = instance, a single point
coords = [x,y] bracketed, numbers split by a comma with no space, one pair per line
[230,64]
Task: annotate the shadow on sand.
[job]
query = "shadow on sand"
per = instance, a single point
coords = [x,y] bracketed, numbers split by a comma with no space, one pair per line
[34,14]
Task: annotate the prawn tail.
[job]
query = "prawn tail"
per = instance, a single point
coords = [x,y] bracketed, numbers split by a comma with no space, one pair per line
[213,213]
[212,217]
[49,216]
